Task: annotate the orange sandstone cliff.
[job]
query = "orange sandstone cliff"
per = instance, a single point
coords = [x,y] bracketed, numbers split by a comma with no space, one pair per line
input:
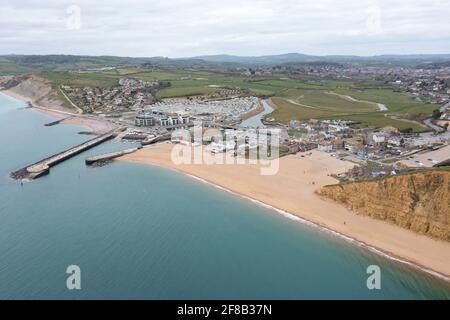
[419,201]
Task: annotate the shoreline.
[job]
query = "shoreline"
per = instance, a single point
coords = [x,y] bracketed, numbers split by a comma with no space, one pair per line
[347,238]
[296,216]
[424,257]
[95,125]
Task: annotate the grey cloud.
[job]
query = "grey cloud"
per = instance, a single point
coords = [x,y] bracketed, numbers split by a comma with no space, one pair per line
[248,27]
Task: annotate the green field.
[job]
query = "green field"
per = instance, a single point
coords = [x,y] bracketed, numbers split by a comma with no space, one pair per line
[379,120]
[395,101]
[79,79]
[326,102]
[184,91]
[7,67]
[183,82]
[331,102]
[306,104]
[294,99]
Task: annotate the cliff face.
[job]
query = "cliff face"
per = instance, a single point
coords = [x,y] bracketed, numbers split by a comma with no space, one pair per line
[36,90]
[419,201]
[32,88]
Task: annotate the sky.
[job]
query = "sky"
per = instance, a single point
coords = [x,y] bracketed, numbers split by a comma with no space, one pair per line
[185,28]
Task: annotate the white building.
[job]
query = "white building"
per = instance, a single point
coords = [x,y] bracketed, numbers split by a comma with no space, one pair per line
[379,138]
[150,119]
[222,146]
[396,141]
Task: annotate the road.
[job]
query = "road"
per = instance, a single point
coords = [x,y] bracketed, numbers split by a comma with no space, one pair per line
[444,107]
[79,110]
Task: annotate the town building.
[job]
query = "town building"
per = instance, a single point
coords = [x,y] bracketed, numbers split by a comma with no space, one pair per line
[379,138]
[325,146]
[154,118]
[338,144]
[353,144]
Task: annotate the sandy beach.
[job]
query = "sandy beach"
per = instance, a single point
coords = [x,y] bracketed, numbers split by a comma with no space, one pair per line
[73,118]
[292,190]
[94,125]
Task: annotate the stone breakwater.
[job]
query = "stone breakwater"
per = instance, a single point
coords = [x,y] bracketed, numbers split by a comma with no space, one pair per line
[42,167]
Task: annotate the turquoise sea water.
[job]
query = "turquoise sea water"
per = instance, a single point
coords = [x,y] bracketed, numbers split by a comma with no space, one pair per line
[143,232]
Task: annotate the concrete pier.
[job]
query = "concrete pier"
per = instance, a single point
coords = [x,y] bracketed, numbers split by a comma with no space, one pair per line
[54,123]
[164,137]
[110,156]
[42,167]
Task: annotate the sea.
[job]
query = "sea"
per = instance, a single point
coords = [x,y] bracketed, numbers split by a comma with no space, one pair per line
[142,232]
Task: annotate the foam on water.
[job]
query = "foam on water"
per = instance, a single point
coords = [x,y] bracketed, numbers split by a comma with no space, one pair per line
[342,236]
[141,232]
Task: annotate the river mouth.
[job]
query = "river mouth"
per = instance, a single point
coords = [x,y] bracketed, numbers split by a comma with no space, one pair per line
[256,121]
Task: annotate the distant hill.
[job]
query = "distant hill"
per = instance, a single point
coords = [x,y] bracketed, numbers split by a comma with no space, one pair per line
[66,62]
[434,65]
[262,60]
[302,58]
[28,63]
